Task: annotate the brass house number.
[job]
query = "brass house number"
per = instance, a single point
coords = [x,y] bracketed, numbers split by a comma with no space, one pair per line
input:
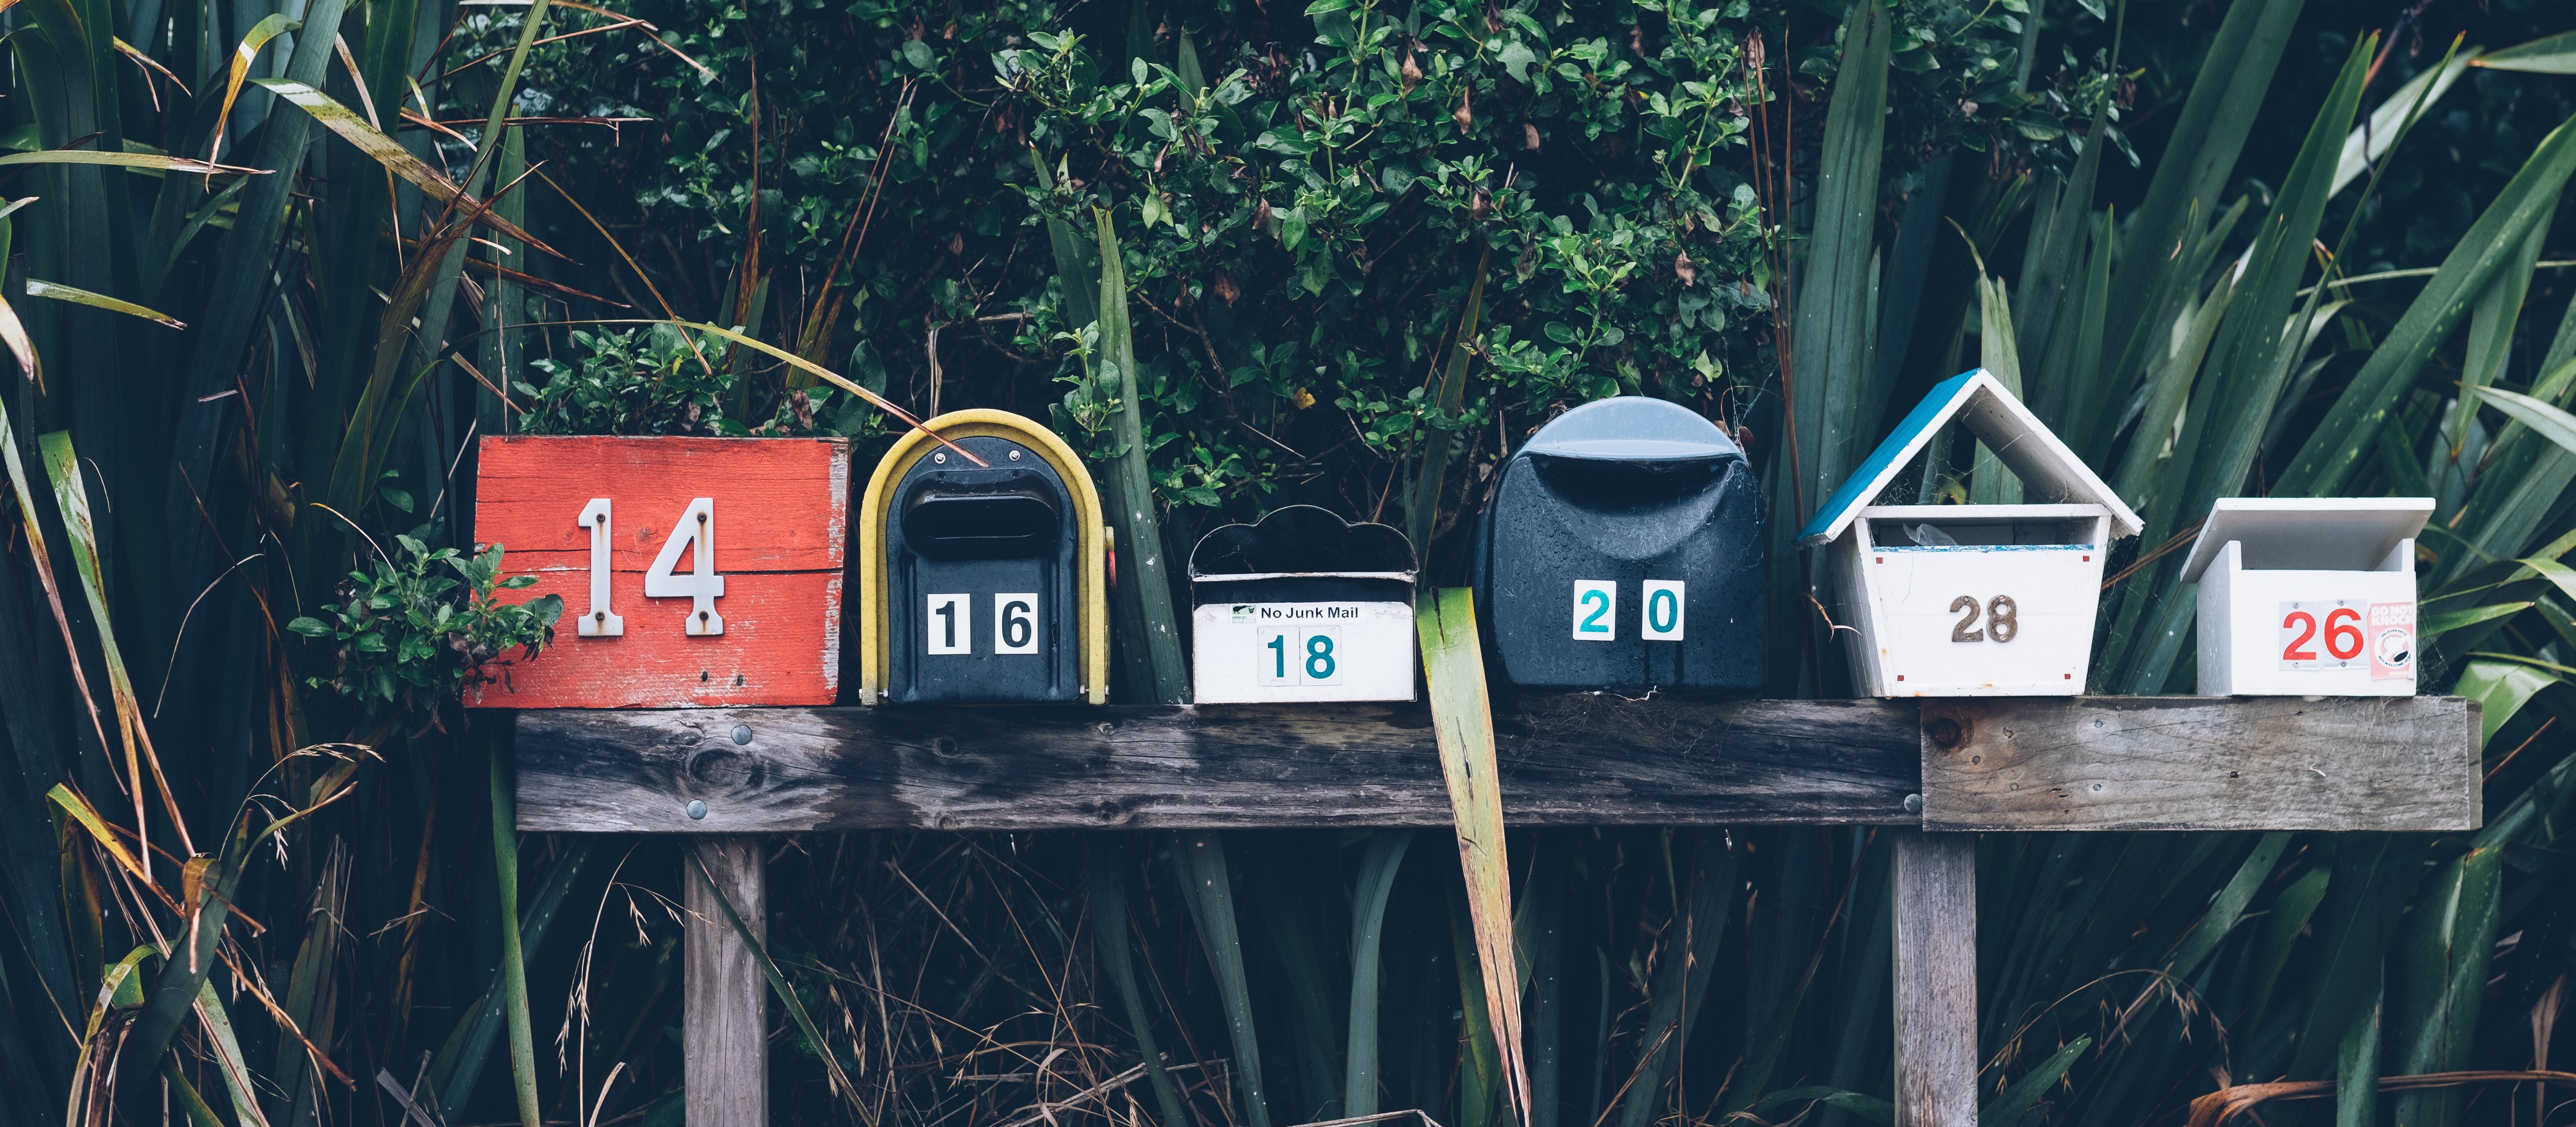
[2003,619]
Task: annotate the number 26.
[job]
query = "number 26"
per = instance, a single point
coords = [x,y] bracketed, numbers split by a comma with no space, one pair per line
[2339,627]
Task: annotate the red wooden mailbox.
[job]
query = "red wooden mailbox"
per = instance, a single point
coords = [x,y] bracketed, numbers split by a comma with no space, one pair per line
[694,571]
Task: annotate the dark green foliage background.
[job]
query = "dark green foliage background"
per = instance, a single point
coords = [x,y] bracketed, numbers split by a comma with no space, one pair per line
[1302,208]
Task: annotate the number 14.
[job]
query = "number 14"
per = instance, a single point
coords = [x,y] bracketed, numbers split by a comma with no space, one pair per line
[702,586]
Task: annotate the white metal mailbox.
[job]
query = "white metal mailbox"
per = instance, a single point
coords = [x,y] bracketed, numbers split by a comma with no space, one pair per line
[1302,607]
[2308,597]
[1971,600]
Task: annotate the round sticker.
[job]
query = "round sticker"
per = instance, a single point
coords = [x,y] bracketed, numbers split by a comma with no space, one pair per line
[2395,648]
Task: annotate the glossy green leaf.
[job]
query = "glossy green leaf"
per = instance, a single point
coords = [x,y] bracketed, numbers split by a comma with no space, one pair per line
[1377,871]
[2501,688]
[1128,493]
[269,27]
[155,162]
[390,153]
[2436,625]
[2330,455]
[2440,979]
[59,292]
[2396,113]
[1453,665]
[2554,55]
[1198,859]
[2545,420]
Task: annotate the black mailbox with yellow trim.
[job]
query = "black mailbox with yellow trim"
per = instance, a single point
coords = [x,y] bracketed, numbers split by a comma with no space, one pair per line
[982,584]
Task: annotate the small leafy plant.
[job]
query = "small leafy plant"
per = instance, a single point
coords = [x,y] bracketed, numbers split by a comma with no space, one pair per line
[659,381]
[411,639]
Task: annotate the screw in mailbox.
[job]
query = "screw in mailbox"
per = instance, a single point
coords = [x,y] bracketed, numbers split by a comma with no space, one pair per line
[1622,550]
[1302,606]
[982,584]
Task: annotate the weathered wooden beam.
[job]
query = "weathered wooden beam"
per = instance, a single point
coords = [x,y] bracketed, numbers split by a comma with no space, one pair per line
[2201,763]
[1935,912]
[1566,760]
[724,1020]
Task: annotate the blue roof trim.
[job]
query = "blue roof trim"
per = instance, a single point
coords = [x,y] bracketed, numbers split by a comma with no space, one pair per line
[1863,483]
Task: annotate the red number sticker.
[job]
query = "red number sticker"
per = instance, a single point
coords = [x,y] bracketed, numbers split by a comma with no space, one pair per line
[2306,625]
[2335,625]
[2343,633]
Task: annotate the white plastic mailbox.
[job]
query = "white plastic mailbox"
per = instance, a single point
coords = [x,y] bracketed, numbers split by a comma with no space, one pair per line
[1971,600]
[1302,606]
[2308,597]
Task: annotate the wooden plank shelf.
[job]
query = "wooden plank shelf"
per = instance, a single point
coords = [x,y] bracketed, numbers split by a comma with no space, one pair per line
[2081,763]
[2202,763]
[1927,766]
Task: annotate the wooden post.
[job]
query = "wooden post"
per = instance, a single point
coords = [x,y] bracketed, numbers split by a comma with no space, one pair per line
[1936,979]
[724,1040]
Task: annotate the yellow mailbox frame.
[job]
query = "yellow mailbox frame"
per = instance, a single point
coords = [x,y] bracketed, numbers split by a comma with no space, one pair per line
[876,653]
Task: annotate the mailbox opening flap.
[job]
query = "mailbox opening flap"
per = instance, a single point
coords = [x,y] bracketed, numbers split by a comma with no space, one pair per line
[1302,552]
[1630,451]
[1900,527]
[970,514]
[1633,429]
[2309,533]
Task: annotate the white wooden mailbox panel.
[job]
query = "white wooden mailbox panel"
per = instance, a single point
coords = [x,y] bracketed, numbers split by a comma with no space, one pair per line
[2308,597]
[2007,611]
[1971,600]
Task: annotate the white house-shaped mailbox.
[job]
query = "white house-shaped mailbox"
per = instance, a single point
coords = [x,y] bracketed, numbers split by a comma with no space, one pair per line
[1302,606]
[1971,600]
[2308,597]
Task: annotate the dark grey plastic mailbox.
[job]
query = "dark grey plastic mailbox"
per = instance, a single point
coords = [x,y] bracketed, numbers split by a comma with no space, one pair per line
[1623,550]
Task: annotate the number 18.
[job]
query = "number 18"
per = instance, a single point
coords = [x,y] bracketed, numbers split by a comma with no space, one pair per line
[1301,656]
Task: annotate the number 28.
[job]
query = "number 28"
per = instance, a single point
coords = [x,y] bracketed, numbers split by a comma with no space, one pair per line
[2003,619]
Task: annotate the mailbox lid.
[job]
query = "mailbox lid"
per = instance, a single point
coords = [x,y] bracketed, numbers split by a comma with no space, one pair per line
[1302,553]
[2307,533]
[2049,471]
[1632,428]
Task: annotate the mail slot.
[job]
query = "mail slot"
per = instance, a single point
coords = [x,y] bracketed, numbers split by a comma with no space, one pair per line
[1302,606]
[1623,550]
[982,583]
